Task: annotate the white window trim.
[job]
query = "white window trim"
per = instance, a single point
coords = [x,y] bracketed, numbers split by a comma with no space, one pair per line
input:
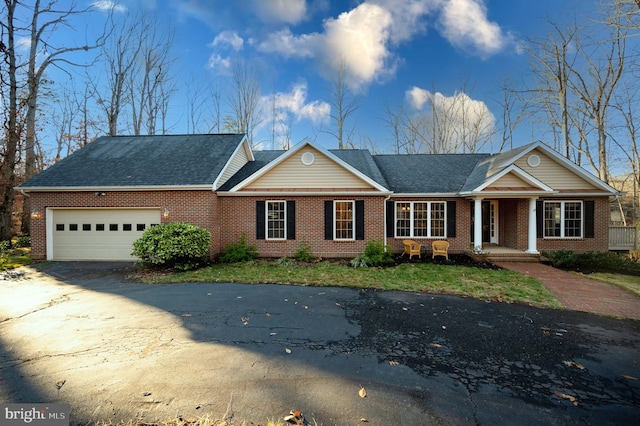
[412,219]
[562,220]
[266,215]
[353,220]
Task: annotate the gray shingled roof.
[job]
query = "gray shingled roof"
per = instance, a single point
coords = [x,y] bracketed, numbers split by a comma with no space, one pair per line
[363,161]
[427,173]
[128,161]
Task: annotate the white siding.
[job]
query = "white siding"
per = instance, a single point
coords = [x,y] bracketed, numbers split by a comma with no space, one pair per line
[323,173]
[553,174]
[235,163]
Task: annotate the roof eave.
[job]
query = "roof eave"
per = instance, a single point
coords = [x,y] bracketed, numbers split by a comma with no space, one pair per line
[206,187]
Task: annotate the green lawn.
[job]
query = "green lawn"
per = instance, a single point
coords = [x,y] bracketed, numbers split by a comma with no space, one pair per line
[630,283]
[479,283]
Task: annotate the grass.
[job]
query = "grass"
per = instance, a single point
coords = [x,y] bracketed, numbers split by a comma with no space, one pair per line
[629,283]
[15,258]
[479,283]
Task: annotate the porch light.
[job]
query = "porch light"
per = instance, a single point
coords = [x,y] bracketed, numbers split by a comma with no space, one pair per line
[36,215]
[165,214]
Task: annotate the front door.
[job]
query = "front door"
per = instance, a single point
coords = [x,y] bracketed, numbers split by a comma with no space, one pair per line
[489,221]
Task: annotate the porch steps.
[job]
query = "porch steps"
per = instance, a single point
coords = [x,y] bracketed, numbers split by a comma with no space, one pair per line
[514,256]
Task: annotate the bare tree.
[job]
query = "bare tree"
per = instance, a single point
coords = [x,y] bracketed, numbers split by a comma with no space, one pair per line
[244,101]
[344,103]
[39,32]
[12,120]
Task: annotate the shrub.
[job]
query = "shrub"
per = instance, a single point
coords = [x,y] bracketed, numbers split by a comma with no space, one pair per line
[561,258]
[375,254]
[177,245]
[23,241]
[239,251]
[5,248]
[303,254]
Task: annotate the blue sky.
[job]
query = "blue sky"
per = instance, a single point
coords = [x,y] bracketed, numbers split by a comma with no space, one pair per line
[395,52]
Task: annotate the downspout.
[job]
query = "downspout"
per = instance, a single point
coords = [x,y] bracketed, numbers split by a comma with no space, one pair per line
[384,205]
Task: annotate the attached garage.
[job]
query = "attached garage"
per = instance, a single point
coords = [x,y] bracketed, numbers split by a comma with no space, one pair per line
[96,234]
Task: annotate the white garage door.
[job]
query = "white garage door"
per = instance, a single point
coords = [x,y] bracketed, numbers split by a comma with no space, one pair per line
[97,234]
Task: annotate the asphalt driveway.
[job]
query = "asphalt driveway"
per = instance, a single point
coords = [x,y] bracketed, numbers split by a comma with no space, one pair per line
[81,334]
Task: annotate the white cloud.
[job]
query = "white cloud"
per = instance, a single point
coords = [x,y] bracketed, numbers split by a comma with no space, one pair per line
[218,63]
[229,38]
[281,11]
[108,6]
[417,97]
[295,102]
[464,24]
[285,43]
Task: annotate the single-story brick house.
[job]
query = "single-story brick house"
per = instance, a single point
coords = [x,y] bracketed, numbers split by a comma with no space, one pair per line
[93,204]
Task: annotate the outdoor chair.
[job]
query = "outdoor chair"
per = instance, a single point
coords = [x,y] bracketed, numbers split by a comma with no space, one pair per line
[440,248]
[411,248]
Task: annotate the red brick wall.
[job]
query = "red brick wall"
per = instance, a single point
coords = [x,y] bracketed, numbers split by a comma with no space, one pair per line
[600,242]
[196,207]
[240,213]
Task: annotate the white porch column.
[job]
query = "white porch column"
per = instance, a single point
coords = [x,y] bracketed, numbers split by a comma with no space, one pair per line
[533,231]
[477,224]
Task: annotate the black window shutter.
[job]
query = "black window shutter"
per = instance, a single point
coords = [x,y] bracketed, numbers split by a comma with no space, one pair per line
[589,219]
[328,220]
[359,219]
[391,222]
[540,219]
[260,220]
[451,219]
[291,220]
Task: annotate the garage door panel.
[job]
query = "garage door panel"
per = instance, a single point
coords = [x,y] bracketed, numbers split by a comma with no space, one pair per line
[98,234]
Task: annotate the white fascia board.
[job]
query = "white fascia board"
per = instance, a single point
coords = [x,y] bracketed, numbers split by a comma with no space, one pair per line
[426,195]
[114,188]
[531,180]
[244,144]
[297,148]
[291,194]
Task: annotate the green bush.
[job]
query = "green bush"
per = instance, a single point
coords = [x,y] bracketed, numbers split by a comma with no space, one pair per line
[592,260]
[177,245]
[566,259]
[23,241]
[284,262]
[303,254]
[239,252]
[375,254]
[5,248]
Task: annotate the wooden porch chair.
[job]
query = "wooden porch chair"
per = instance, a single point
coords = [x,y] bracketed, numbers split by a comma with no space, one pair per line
[440,248]
[411,248]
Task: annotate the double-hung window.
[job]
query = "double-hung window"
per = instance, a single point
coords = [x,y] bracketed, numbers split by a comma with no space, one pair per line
[563,219]
[276,220]
[421,219]
[344,220]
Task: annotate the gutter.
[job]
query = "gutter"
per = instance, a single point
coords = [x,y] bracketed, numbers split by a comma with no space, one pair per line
[384,228]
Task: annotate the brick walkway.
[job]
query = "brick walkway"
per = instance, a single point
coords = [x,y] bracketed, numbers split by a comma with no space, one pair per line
[581,294]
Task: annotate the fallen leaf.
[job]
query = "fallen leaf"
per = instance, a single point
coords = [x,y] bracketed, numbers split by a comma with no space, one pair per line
[60,383]
[444,327]
[362,392]
[404,308]
[573,364]
[629,377]
[363,420]
[287,350]
[268,314]
[272,334]
[394,363]
[186,315]
[436,345]
[570,398]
